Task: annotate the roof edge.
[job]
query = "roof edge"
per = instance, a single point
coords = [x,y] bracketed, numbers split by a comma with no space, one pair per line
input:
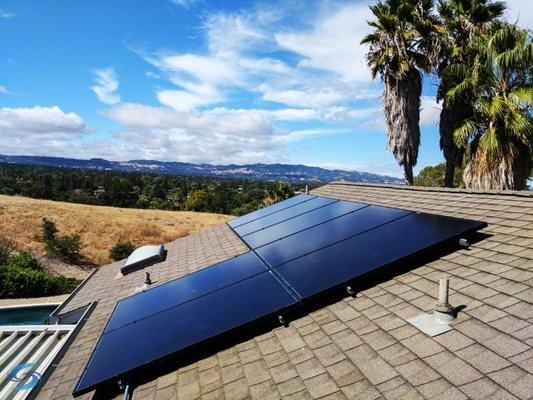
[518,193]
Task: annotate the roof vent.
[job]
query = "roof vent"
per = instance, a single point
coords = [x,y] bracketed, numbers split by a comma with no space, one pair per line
[438,322]
[143,257]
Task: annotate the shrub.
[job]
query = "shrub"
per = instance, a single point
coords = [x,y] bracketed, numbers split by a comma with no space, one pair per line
[24,261]
[64,247]
[23,276]
[17,282]
[121,250]
[49,230]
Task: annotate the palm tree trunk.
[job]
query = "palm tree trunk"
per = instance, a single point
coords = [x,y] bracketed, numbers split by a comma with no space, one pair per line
[451,117]
[449,173]
[408,174]
[401,105]
[507,171]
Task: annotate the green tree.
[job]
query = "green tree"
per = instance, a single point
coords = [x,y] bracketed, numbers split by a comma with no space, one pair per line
[499,135]
[464,21]
[433,176]
[202,200]
[281,191]
[404,45]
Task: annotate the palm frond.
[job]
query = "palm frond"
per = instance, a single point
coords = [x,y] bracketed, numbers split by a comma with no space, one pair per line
[523,95]
[462,134]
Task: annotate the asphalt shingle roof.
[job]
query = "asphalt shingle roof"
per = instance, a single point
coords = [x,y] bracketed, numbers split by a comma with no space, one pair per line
[359,347]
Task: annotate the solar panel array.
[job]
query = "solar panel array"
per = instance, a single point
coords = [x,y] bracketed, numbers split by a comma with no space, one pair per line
[299,247]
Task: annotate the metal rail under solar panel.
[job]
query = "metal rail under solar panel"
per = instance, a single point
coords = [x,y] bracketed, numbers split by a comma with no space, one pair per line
[299,248]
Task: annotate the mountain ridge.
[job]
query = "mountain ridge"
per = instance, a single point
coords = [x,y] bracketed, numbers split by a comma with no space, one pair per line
[288,172]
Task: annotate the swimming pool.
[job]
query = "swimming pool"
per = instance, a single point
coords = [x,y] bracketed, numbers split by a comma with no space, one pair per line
[35,314]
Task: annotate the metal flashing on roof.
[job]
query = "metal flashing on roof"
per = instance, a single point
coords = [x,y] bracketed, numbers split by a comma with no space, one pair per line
[142,257]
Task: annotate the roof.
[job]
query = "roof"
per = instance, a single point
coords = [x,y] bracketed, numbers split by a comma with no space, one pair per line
[359,347]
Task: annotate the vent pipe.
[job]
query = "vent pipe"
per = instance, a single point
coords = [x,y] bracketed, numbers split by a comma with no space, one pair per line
[443,309]
[147,280]
[438,322]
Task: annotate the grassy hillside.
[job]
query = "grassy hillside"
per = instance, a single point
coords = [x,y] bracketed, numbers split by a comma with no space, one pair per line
[99,227]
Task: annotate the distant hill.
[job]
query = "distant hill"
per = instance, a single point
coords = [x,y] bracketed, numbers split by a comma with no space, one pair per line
[286,172]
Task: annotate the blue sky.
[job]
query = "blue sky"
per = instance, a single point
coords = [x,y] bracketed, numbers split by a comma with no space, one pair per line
[199,81]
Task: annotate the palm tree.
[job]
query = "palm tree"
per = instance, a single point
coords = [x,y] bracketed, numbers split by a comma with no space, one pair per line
[499,134]
[404,45]
[464,21]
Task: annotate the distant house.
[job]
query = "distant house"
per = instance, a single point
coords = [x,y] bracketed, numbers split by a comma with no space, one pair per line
[349,347]
[99,191]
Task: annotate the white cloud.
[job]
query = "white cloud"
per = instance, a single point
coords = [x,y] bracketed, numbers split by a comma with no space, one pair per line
[204,68]
[218,135]
[430,111]
[27,130]
[333,43]
[237,32]
[152,74]
[41,121]
[106,86]
[239,53]
[184,3]
[314,132]
[304,97]
[3,89]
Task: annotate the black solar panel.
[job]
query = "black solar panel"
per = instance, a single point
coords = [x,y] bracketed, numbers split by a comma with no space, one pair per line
[283,215]
[263,212]
[328,233]
[185,289]
[301,222]
[300,247]
[161,334]
[368,251]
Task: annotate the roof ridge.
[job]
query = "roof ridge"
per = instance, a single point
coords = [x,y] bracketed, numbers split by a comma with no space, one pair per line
[518,193]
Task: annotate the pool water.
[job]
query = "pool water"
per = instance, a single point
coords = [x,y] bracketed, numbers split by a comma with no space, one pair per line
[34,315]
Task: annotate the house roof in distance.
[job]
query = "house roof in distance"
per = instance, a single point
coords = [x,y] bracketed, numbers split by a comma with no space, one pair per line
[359,347]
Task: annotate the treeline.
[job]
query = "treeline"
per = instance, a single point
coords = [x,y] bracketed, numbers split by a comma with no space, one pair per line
[142,190]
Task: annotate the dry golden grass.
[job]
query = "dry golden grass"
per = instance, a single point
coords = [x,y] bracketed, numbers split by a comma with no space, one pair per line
[99,227]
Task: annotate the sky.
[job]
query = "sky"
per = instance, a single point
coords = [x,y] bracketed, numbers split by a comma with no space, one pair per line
[200,81]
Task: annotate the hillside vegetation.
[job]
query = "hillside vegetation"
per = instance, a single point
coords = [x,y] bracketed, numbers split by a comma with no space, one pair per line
[99,227]
[142,190]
